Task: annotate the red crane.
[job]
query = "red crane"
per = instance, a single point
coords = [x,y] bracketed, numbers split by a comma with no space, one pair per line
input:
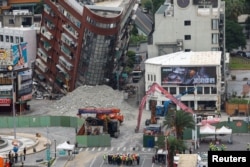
[157,87]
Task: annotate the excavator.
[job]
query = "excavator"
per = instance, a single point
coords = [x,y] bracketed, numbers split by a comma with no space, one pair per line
[156,87]
[162,110]
[109,118]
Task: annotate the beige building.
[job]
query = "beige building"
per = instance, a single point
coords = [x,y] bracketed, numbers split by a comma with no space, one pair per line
[191,26]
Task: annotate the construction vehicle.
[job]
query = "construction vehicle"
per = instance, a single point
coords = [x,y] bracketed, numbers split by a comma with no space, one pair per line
[106,117]
[101,113]
[153,88]
[162,110]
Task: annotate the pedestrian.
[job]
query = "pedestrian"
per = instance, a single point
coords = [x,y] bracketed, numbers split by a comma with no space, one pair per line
[16,157]
[24,153]
[104,158]
[190,150]
[138,159]
[153,159]
[219,114]
[21,157]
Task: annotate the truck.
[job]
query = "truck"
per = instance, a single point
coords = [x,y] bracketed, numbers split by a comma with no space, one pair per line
[137,73]
[109,118]
[156,87]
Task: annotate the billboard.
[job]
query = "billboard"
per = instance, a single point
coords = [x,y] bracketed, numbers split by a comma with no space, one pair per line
[25,83]
[5,59]
[20,57]
[188,75]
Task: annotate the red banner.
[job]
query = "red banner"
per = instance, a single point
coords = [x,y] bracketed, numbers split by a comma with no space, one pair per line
[5,102]
[26,97]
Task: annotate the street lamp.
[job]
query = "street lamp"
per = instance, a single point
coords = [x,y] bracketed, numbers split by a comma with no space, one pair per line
[10,68]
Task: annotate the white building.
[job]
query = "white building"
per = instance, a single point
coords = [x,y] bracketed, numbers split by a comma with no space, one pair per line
[14,35]
[181,71]
[190,25]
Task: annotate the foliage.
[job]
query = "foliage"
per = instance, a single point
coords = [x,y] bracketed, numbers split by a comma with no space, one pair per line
[180,120]
[234,8]
[135,39]
[131,59]
[134,31]
[173,146]
[152,5]
[213,147]
[148,5]
[239,63]
[234,36]
[248,27]
[39,7]
[237,101]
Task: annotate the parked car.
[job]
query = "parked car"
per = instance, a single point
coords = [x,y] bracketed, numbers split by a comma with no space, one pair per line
[241,53]
[247,55]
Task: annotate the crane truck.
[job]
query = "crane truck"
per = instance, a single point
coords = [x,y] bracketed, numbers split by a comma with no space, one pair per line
[156,87]
[109,118]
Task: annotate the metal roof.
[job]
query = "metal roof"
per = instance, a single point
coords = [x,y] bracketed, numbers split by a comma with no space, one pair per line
[208,58]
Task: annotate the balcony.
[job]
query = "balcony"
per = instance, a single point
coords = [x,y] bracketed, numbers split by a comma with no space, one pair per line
[46,33]
[61,70]
[41,65]
[69,41]
[71,30]
[42,54]
[66,52]
[65,63]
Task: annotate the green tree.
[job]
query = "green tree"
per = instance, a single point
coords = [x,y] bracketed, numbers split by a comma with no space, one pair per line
[234,36]
[156,4]
[234,8]
[179,120]
[39,7]
[248,27]
[174,145]
[134,30]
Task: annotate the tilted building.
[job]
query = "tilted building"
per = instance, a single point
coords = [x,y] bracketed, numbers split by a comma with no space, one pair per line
[83,43]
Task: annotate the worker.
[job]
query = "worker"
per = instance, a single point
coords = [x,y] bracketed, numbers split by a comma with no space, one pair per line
[105,158]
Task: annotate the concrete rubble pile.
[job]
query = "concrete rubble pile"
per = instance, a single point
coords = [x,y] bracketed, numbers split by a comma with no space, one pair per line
[92,96]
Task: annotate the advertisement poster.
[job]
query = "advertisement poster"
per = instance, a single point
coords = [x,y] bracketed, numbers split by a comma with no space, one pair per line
[5,58]
[188,75]
[24,83]
[20,57]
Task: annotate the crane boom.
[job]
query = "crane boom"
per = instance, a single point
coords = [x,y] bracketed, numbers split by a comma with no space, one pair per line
[152,89]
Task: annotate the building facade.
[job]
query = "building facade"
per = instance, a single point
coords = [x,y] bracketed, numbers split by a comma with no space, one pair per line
[82,43]
[182,71]
[16,35]
[195,26]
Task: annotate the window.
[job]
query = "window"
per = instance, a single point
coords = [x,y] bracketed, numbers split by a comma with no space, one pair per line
[11,39]
[215,38]
[200,90]
[182,89]
[187,22]
[215,49]
[1,38]
[215,24]
[154,77]
[7,38]
[187,50]
[206,90]
[11,21]
[172,90]
[213,90]
[17,39]
[187,37]
[21,39]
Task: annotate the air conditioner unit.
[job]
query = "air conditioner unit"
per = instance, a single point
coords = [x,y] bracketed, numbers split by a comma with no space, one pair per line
[179,43]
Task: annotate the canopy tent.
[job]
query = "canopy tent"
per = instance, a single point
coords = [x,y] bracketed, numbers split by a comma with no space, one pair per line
[65,146]
[224,130]
[207,129]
